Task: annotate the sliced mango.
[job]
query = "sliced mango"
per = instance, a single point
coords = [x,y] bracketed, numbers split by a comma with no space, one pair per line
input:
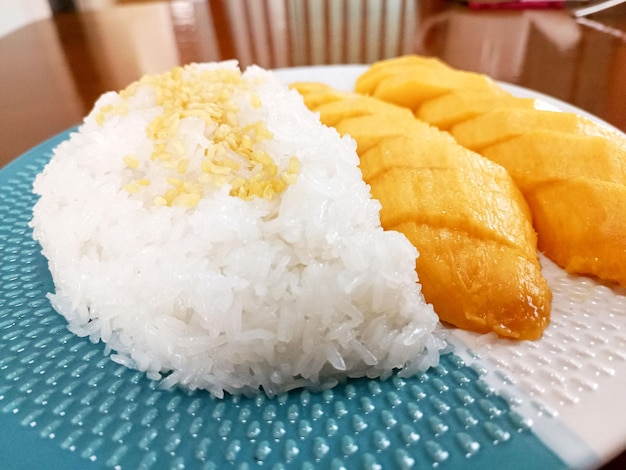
[354,106]
[478,260]
[574,185]
[501,124]
[316,94]
[544,155]
[563,163]
[461,105]
[307,88]
[434,145]
[496,289]
[480,213]
[410,89]
[581,225]
[367,131]
[367,83]
[409,81]
[410,59]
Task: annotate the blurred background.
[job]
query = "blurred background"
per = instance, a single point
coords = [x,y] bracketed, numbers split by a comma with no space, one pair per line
[81,48]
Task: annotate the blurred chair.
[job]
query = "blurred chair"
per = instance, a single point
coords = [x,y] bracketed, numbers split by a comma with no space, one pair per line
[496,42]
[305,32]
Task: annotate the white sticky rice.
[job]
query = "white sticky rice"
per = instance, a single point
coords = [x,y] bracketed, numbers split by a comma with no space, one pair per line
[230,295]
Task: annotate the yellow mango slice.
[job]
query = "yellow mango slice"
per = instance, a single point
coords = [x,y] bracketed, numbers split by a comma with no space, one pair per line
[316,94]
[410,88]
[501,124]
[409,59]
[367,83]
[478,260]
[428,85]
[461,105]
[480,213]
[575,187]
[354,106]
[367,131]
[426,161]
[434,145]
[305,88]
[495,289]
[580,222]
[544,155]
[563,163]
[335,105]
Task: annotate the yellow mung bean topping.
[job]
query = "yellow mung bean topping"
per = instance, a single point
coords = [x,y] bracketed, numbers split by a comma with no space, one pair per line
[234,154]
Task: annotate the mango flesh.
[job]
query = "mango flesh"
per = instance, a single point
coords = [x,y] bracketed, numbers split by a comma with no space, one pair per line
[367,131]
[510,300]
[367,82]
[386,67]
[410,81]
[591,214]
[478,264]
[481,215]
[543,155]
[579,219]
[501,124]
[461,105]
[316,94]
[412,89]
[477,247]
[569,168]
[333,112]
[407,60]
[377,160]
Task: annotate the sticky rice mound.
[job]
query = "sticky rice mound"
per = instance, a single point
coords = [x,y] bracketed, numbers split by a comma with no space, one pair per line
[207,228]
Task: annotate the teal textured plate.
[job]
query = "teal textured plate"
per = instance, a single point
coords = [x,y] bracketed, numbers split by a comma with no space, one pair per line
[64,404]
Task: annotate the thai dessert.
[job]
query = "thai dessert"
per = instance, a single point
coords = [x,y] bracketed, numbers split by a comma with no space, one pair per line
[213,233]
[478,261]
[570,169]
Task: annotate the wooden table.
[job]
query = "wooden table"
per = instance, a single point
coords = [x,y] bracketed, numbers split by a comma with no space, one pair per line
[52,71]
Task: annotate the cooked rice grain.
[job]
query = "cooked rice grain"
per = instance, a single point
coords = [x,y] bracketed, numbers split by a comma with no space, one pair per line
[214,234]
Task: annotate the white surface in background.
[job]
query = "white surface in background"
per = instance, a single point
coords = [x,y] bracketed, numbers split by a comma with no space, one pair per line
[15,14]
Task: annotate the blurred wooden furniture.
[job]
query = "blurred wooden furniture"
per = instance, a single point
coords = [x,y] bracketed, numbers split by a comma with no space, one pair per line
[280,33]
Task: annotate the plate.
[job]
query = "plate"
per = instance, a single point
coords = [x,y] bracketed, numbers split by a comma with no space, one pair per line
[491,403]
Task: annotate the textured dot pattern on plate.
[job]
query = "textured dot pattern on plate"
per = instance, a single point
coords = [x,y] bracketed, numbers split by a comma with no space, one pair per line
[581,347]
[71,401]
[577,371]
